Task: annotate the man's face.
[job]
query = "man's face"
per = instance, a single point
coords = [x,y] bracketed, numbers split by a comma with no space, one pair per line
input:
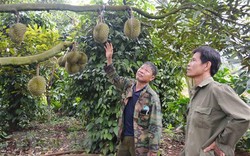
[195,67]
[144,74]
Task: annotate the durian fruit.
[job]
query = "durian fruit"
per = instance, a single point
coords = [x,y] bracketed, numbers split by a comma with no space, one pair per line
[83,58]
[37,85]
[82,66]
[61,61]
[72,57]
[75,60]
[72,68]
[82,61]
[132,28]
[16,32]
[78,64]
[101,32]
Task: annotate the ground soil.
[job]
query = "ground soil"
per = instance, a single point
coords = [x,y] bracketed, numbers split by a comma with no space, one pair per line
[53,140]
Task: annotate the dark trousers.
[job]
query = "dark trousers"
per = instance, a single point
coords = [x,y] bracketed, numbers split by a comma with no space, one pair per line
[126,146]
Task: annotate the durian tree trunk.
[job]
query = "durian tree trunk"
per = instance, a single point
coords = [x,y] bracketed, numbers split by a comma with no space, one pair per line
[34,58]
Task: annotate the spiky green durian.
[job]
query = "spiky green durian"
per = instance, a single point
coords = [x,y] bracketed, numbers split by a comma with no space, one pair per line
[72,68]
[16,32]
[83,58]
[37,85]
[82,66]
[132,28]
[101,32]
[72,57]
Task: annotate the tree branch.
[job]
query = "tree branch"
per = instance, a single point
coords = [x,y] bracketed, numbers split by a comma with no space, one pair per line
[34,58]
[14,8]
[224,19]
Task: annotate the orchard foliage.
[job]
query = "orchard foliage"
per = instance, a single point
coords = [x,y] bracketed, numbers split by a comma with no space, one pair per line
[99,100]
[166,39]
[17,105]
[224,25]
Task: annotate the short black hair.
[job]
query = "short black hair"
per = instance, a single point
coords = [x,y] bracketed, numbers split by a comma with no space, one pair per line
[153,67]
[209,54]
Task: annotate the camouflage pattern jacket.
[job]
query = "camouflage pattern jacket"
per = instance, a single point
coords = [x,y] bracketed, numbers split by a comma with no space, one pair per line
[147,127]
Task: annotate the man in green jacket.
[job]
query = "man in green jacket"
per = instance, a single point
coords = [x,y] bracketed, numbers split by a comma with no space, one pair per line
[217,117]
[140,124]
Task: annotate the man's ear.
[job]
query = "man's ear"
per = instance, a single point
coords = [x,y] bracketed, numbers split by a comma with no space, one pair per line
[152,78]
[208,65]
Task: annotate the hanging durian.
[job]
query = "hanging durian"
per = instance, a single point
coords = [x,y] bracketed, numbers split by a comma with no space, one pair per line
[72,57]
[82,66]
[82,61]
[75,61]
[132,27]
[37,85]
[83,58]
[101,31]
[72,68]
[17,32]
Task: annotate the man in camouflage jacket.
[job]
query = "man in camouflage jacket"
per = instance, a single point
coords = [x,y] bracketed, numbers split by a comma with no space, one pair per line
[146,117]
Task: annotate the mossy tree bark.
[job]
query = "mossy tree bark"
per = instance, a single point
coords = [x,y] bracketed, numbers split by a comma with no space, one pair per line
[35,58]
[15,8]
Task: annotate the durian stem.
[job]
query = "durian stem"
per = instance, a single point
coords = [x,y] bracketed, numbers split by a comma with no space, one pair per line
[131,12]
[74,47]
[100,20]
[101,12]
[34,58]
[37,69]
[17,17]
